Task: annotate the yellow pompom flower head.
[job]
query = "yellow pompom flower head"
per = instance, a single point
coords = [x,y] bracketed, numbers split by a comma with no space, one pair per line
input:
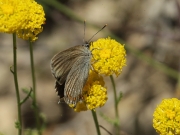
[166,119]
[23,17]
[33,24]
[12,15]
[108,56]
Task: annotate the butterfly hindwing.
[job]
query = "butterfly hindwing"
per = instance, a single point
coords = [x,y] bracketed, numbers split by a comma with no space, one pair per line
[76,80]
[71,70]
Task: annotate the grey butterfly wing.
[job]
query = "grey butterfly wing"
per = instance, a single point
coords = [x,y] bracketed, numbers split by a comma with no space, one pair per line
[77,78]
[62,63]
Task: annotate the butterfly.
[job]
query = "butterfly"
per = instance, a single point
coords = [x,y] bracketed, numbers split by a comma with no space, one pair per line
[71,69]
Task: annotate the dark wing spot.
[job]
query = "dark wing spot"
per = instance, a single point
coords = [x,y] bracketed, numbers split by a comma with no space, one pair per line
[60,89]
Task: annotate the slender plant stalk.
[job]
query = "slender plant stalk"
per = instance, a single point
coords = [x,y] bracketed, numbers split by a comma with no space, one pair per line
[36,110]
[96,122]
[16,84]
[117,125]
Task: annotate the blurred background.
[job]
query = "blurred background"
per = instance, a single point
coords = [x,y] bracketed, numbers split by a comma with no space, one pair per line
[150,30]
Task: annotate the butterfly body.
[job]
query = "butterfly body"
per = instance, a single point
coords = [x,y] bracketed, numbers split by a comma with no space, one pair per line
[71,69]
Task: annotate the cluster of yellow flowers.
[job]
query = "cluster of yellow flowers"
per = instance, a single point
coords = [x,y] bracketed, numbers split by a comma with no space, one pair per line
[23,17]
[166,119]
[108,58]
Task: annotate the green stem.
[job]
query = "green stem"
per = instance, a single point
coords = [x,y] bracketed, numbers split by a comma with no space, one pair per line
[36,111]
[96,121]
[16,84]
[115,105]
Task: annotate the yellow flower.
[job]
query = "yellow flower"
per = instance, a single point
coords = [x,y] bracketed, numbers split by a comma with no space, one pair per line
[12,15]
[94,93]
[166,119]
[108,56]
[24,17]
[33,24]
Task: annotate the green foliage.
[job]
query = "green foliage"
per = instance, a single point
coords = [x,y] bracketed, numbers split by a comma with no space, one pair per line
[17,125]
[109,120]
[119,97]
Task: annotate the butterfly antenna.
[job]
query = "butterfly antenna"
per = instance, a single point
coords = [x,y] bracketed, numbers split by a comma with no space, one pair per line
[84,31]
[97,32]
